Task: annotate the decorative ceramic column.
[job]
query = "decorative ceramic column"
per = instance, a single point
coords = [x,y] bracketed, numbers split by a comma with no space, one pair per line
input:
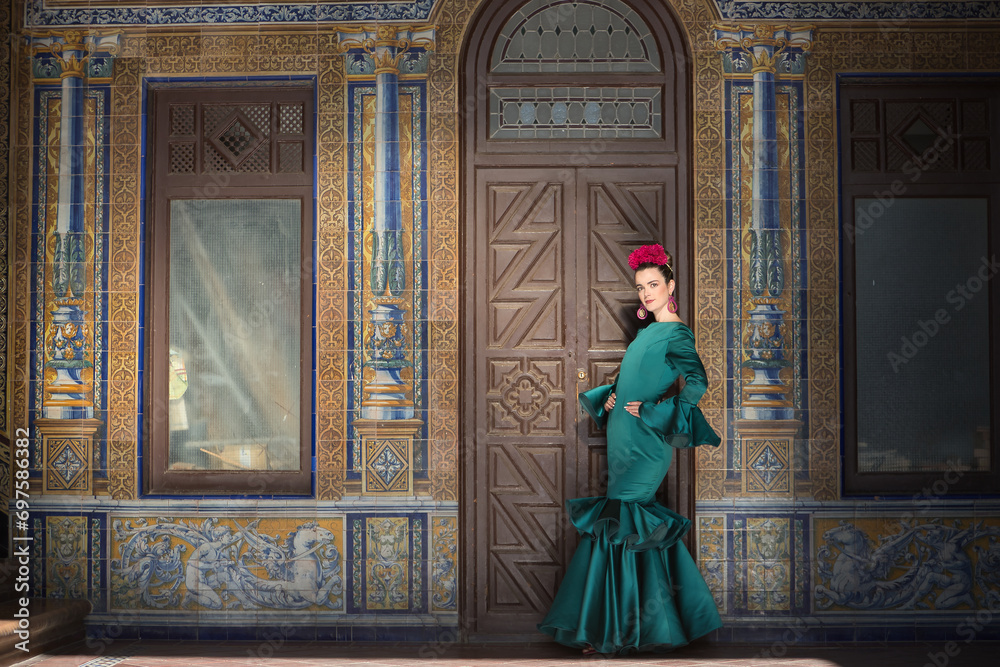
[387,424]
[767,424]
[67,424]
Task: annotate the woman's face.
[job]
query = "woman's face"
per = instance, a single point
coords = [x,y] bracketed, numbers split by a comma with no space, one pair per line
[653,290]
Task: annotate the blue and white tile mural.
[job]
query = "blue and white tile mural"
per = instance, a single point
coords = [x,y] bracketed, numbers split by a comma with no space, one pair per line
[940,564]
[227,564]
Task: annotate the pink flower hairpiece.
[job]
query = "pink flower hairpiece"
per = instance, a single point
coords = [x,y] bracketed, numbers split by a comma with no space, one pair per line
[648,254]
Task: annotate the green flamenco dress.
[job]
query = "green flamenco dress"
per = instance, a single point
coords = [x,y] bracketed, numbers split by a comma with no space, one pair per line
[632,585]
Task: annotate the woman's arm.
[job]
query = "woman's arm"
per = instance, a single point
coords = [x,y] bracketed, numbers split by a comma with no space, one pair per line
[594,401]
[678,418]
[682,354]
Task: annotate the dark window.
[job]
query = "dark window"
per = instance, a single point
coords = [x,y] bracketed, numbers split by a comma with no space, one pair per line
[921,252]
[229,298]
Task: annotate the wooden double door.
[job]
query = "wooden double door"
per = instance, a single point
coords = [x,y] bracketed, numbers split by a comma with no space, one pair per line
[551,307]
[548,299]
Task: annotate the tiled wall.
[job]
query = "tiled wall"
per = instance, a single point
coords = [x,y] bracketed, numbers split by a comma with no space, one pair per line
[775,538]
[374,555]
[790,558]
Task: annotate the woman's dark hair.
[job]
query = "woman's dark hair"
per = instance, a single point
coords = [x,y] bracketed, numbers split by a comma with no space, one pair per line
[664,269]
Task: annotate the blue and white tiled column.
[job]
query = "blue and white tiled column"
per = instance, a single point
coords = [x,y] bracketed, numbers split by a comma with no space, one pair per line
[387,425]
[67,390]
[767,423]
[66,420]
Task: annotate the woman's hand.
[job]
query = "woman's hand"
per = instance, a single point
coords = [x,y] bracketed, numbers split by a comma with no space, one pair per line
[633,408]
[610,403]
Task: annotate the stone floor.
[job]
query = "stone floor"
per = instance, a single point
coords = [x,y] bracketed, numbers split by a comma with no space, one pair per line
[192,654]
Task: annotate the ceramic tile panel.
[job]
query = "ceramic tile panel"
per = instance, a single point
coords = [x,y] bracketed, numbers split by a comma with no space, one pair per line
[444,564]
[5,257]
[386,565]
[389,568]
[712,556]
[888,14]
[905,563]
[230,564]
[124,280]
[66,556]
[769,564]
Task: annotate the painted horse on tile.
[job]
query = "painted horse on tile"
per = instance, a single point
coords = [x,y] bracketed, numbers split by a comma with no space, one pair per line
[304,570]
[858,576]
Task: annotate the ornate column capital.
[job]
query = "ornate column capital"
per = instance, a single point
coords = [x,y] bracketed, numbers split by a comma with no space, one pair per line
[764,43]
[72,49]
[387,44]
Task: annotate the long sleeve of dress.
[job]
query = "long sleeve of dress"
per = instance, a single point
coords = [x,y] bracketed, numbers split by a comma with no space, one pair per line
[678,418]
[683,355]
[593,401]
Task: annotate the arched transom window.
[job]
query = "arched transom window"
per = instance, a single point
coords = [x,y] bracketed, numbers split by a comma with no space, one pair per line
[574,39]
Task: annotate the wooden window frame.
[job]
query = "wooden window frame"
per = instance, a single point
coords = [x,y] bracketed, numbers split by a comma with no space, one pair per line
[164,187]
[957,184]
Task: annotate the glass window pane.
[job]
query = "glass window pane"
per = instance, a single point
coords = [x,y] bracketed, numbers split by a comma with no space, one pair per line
[922,334]
[585,36]
[235,322]
[575,113]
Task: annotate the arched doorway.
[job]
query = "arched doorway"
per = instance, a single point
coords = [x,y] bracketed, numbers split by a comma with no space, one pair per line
[576,136]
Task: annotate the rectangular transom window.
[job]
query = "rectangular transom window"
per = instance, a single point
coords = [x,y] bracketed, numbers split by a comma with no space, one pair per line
[229,241]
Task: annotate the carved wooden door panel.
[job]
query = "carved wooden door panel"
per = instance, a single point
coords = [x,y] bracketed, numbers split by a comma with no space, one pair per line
[524,399]
[553,310]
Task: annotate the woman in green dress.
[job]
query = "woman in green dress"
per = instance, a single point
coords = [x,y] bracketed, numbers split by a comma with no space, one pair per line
[632,585]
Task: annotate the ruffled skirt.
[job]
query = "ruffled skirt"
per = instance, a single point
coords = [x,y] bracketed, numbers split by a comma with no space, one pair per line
[632,585]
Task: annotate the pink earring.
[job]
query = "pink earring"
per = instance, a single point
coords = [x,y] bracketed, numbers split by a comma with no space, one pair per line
[671,303]
[641,313]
